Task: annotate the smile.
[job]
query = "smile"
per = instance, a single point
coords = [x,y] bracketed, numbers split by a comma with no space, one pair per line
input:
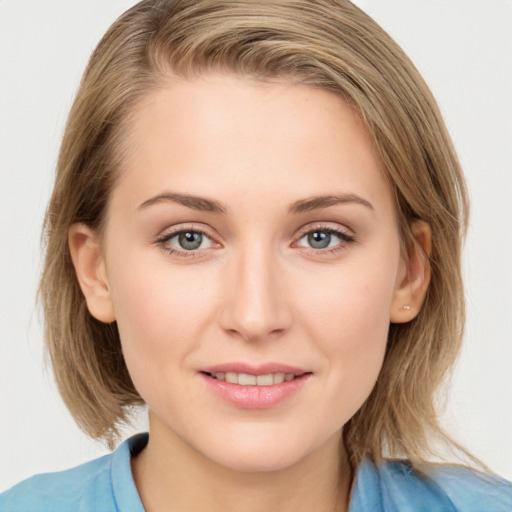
[245,379]
[248,387]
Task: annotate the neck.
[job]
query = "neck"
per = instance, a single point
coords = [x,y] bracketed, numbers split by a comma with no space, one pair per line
[169,474]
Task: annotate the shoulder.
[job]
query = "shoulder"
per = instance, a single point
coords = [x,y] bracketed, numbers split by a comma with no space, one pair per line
[473,491]
[395,486]
[64,490]
[102,485]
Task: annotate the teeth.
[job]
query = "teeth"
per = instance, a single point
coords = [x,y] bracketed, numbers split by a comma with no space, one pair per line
[244,379]
[247,380]
[232,377]
[264,380]
[279,377]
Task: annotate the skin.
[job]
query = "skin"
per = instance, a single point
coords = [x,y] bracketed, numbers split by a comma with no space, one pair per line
[255,291]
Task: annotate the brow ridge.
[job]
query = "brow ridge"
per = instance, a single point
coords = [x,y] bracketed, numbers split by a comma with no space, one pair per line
[213,206]
[325,201]
[190,201]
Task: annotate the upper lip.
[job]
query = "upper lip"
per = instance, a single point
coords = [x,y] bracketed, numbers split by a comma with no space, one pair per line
[252,369]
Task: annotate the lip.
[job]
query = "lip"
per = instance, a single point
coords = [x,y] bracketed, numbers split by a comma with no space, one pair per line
[255,397]
[251,369]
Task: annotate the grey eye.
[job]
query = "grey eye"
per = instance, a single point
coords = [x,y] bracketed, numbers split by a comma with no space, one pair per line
[190,240]
[319,239]
[325,238]
[187,241]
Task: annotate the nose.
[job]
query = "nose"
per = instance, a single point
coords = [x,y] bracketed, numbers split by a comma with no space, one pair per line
[255,306]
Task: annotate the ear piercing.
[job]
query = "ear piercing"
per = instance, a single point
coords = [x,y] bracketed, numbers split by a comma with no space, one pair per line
[406,307]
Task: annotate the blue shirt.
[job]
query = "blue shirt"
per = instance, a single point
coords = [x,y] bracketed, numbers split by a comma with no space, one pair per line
[106,485]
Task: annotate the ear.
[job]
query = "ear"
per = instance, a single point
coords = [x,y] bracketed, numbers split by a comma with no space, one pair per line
[90,270]
[413,275]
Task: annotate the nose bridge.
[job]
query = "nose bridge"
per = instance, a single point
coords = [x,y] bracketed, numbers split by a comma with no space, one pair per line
[255,307]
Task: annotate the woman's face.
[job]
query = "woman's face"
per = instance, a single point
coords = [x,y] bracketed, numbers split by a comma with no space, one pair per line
[251,237]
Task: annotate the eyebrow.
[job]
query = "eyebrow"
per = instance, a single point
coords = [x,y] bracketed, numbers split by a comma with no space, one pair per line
[319,202]
[196,203]
[210,205]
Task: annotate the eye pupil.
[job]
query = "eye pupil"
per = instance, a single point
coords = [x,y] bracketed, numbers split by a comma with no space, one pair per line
[319,239]
[190,240]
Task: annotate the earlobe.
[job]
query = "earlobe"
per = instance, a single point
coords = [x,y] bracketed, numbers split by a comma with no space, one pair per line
[90,270]
[413,277]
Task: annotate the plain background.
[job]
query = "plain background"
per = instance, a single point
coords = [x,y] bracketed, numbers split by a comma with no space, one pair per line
[462,47]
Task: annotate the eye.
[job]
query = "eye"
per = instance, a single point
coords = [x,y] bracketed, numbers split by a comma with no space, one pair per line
[324,238]
[319,239]
[186,240]
[189,240]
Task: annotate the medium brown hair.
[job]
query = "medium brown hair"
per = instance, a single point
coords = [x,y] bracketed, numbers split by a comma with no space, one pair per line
[329,44]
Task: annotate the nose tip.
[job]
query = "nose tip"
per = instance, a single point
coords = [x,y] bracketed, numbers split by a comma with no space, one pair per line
[254,322]
[255,307]
[254,336]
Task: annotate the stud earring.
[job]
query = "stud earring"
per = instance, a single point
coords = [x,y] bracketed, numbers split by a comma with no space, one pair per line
[406,307]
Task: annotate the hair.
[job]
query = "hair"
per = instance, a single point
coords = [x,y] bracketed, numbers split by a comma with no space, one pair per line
[330,44]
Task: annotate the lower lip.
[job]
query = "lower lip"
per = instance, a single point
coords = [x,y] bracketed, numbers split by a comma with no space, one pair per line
[255,397]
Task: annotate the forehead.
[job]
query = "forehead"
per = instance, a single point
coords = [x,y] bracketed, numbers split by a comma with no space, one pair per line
[226,136]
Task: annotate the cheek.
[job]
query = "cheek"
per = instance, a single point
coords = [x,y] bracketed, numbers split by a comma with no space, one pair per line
[350,304]
[349,317]
[160,314]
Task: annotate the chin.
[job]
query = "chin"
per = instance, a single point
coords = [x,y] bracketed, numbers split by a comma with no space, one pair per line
[262,452]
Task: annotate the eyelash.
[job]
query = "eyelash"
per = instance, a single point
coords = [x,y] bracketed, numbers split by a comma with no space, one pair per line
[345,238]
[163,242]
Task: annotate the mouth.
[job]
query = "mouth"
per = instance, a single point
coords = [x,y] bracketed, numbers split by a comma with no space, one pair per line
[246,379]
[250,387]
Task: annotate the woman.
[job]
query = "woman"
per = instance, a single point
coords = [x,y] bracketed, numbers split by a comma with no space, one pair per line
[255,230]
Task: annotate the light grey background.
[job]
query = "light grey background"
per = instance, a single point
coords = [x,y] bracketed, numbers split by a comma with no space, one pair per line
[462,47]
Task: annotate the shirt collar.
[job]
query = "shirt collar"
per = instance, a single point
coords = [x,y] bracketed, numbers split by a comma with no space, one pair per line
[125,492]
